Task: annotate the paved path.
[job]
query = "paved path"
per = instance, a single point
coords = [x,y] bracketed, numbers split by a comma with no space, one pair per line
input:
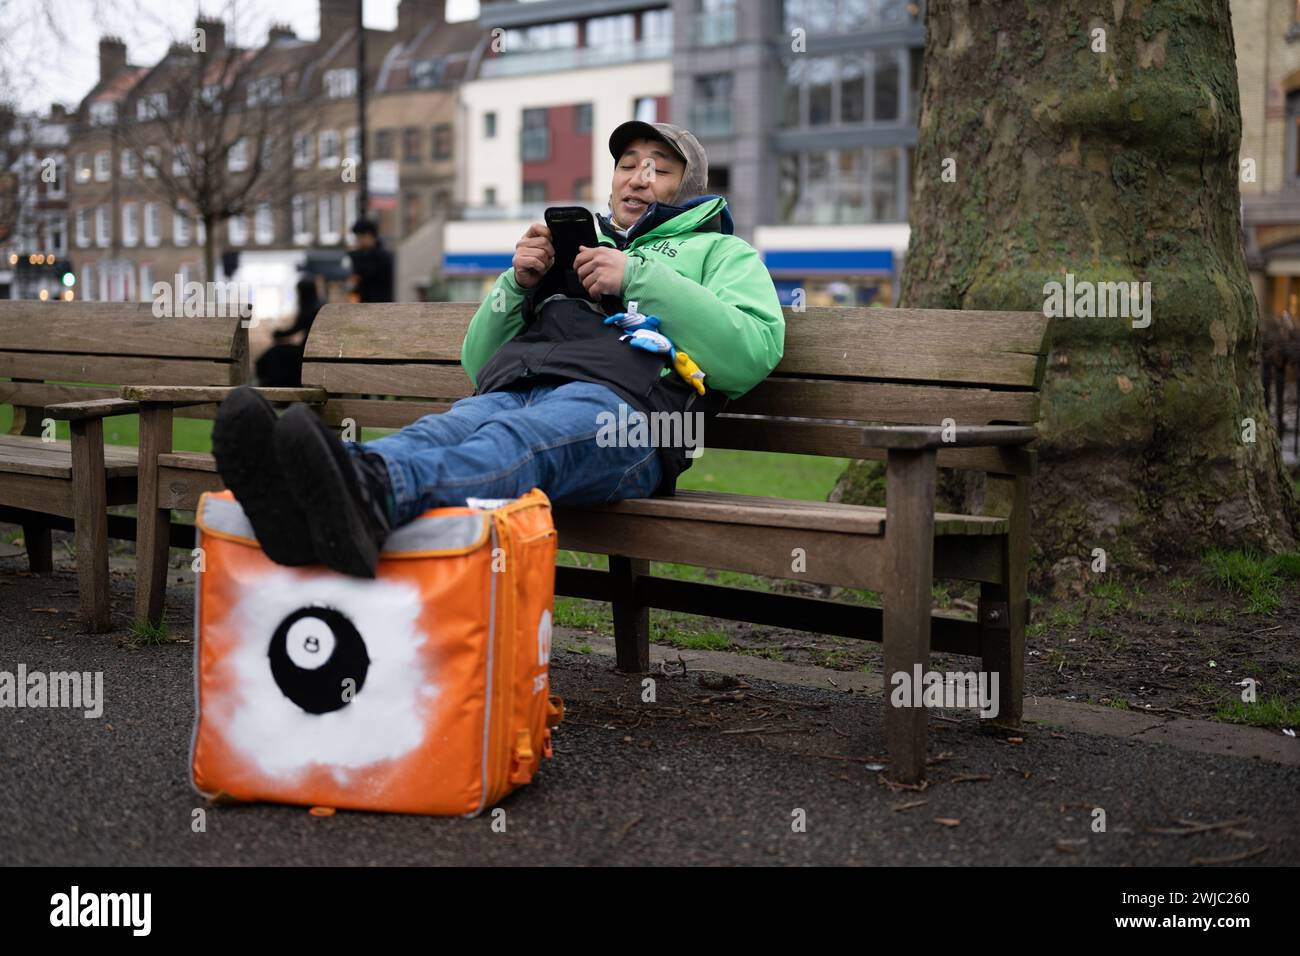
[632,783]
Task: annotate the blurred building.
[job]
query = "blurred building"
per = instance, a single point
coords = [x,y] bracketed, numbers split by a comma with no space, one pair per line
[33,204]
[548,83]
[278,125]
[806,108]
[1267,37]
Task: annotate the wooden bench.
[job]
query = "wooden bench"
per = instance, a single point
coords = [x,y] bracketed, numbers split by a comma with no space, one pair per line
[47,352]
[844,370]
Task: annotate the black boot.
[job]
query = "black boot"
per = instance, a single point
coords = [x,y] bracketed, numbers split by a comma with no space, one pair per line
[241,444]
[345,497]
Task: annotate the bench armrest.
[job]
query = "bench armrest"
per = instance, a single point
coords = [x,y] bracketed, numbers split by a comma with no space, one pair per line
[92,408]
[917,437]
[181,395]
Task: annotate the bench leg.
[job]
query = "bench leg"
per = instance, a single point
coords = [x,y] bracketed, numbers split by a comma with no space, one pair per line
[40,547]
[90,502]
[909,536]
[631,620]
[153,526]
[1002,637]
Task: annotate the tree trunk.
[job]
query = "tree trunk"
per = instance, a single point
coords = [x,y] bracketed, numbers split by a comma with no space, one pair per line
[209,249]
[1113,166]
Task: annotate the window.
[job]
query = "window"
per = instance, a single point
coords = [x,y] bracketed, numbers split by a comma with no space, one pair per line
[411,144]
[146,281]
[103,166]
[264,89]
[489,125]
[442,141]
[545,36]
[88,280]
[56,233]
[181,160]
[130,224]
[535,138]
[211,95]
[657,25]
[264,224]
[821,90]
[611,31]
[350,208]
[103,114]
[329,147]
[237,230]
[330,212]
[267,152]
[152,224]
[582,118]
[384,144]
[534,192]
[489,196]
[200,231]
[859,184]
[885,83]
[181,226]
[426,74]
[645,109]
[854,89]
[152,160]
[301,151]
[103,226]
[352,144]
[715,24]
[81,167]
[82,219]
[237,158]
[151,106]
[582,188]
[340,83]
[57,189]
[301,211]
[711,114]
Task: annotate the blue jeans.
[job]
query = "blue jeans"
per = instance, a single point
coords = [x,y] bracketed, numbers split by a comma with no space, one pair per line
[503,444]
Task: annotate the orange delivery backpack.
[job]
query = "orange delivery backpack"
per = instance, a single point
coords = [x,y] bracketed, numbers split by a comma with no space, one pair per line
[425,690]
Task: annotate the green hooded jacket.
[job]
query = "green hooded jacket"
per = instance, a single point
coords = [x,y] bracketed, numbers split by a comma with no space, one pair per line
[709,288]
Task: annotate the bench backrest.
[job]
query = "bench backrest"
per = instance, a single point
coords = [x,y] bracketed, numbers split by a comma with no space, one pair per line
[75,351]
[842,367]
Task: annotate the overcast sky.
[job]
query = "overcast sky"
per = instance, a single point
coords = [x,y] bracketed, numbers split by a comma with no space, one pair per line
[57,59]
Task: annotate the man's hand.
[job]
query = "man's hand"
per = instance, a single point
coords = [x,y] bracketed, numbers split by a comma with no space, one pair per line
[534,255]
[600,270]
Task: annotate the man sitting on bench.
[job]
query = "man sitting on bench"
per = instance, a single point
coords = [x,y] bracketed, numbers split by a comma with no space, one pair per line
[548,366]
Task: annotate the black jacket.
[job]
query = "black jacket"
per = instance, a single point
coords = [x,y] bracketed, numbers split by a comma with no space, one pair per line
[565,339]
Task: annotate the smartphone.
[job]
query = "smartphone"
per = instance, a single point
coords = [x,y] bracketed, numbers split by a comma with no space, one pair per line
[571,226]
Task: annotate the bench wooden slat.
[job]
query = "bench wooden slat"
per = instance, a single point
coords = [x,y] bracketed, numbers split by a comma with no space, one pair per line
[112,328]
[29,455]
[909,345]
[761,511]
[778,396]
[117,370]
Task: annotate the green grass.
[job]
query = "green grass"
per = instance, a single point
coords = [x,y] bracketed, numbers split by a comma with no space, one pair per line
[763,473]
[145,633]
[1253,576]
[1269,712]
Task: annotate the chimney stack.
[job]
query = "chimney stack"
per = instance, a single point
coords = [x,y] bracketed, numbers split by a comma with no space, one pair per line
[336,18]
[215,30]
[414,15]
[112,57]
[280,31]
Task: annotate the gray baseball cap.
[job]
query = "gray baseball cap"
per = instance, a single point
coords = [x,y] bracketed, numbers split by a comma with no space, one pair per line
[695,177]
